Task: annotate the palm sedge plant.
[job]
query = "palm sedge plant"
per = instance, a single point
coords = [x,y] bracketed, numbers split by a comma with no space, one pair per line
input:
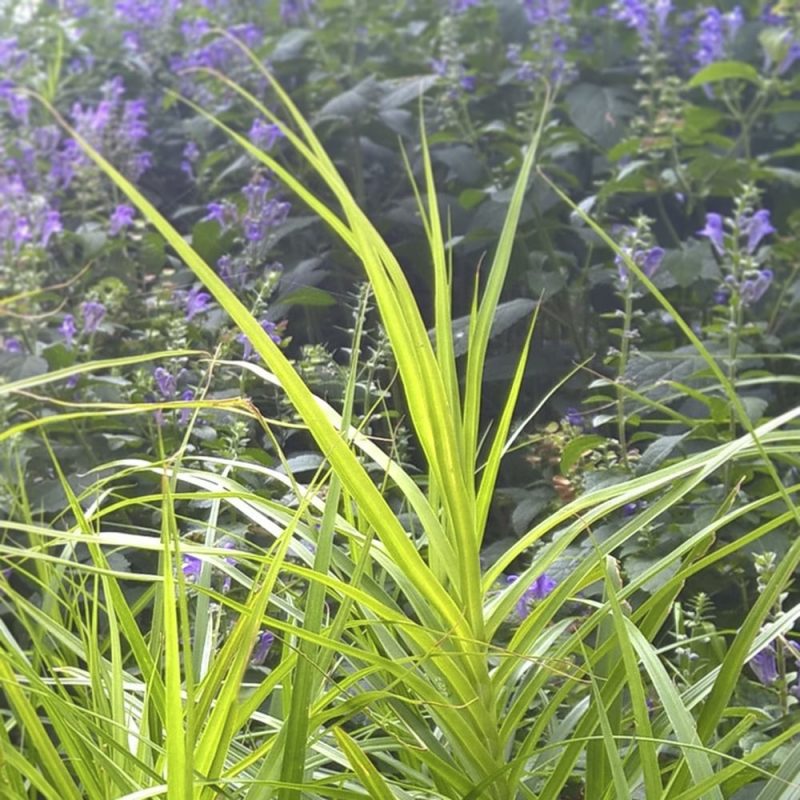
[395,678]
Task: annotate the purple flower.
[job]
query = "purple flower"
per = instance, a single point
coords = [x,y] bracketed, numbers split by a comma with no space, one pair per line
[19,106]
[574,417]
[22,233]
[261,648]
[645,18]
[194,30]
[264,134]
[190,154]
[291,11]
[460,6]
[753,289]
[650,260]
[226,583]
[715,32]
[191,568]
[224,213]
[647,260]
[142,13]
[93,313]
[714,233]
[542,586]
[764,665]
[121,218]
[629,509]
[539,12]
[183,417]
[269,327]
[12,345]
[439,67]
[51,224]
[165,382]
[792,55]
[756,228]
[133,125]
[67,329]
[196,302]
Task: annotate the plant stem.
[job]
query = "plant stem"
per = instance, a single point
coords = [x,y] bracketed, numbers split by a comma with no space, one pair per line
[624,354]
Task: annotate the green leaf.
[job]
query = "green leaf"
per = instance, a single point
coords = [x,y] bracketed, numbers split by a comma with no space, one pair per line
[576,448]
[404,90]
[600,112]
[724,71]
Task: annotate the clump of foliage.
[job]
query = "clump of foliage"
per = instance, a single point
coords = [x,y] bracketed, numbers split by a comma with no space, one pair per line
[397,399]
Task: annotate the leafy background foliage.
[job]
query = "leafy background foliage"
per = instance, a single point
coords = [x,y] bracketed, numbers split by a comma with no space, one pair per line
[296,501]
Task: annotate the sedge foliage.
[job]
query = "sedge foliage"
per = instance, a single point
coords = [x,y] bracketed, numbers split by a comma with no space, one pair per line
[403,670]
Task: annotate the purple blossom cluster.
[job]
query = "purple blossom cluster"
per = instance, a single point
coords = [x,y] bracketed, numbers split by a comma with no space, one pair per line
[219,53]
[269,327]
[747,231]
[121,218]
[145,13]
[115,127]
[262,213]
[647,17]
[192,566]
[550,37]
[765,665]
[264,134]
[754,227]
[456,74]
[462,6]
[649,261]
[715,34]
[190,157]
[25,219]
[541,587]
[293,11]
[196,301]
[263,644]
[93,313]
[167,388]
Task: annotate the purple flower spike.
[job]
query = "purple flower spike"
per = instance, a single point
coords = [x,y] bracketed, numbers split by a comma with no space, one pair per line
[12,346]
[764,665]
[262,647]
[263,134]
[753,289]
[183,417]
[191,568]
[121,218]
[67,329]
[538,590]
[93,313]
[226,583]
[269,327]
[224,213]
[292,11]
[574,417]
[196,302]
[714,233]
[51,224]
[650,260]
[165,382]
[757,228]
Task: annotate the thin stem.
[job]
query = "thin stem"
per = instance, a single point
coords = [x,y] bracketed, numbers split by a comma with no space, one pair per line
[624,353]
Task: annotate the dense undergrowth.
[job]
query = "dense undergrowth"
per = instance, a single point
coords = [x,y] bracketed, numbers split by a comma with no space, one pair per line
[398,400]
